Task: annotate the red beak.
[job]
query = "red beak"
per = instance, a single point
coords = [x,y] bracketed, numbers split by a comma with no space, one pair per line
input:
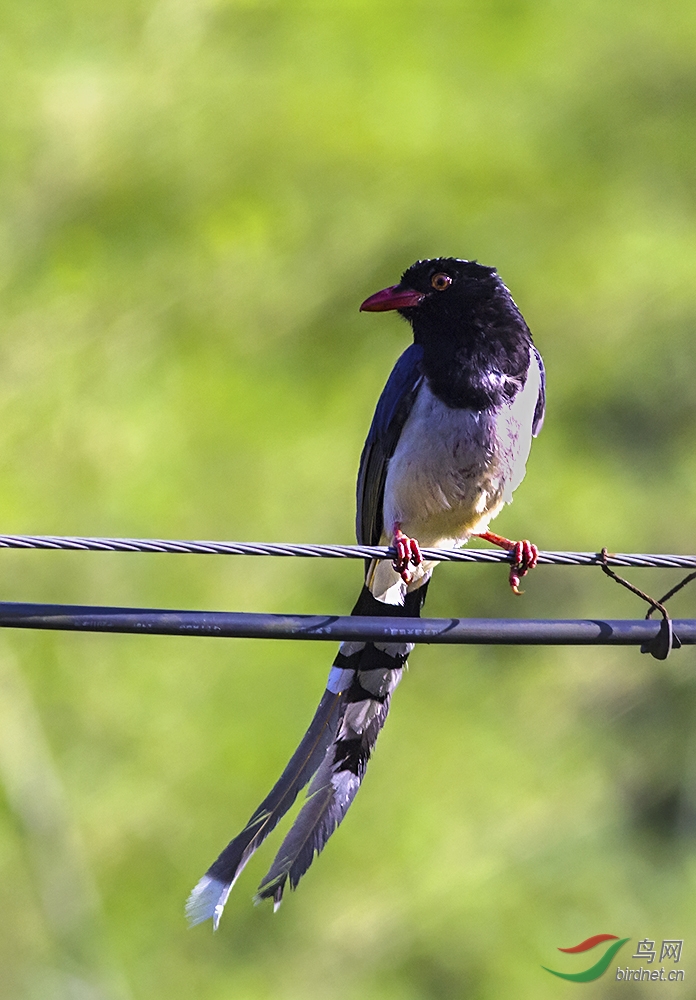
[395,297]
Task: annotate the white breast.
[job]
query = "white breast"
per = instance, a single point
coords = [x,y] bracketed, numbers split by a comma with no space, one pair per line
[454,469]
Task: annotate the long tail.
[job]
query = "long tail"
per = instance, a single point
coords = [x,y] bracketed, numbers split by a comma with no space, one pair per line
[334,752]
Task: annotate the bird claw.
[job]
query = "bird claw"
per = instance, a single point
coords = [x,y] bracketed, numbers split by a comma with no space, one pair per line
[524,557]
[407,552]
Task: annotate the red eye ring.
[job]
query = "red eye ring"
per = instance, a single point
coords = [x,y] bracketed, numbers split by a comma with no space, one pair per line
[440,281]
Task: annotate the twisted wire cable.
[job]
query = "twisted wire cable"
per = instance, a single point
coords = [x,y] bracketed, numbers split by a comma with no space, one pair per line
[162,545]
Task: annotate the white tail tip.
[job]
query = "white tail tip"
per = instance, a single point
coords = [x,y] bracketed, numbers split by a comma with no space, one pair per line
[207,900]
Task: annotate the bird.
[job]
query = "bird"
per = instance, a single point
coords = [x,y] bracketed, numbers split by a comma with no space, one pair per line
[447,447]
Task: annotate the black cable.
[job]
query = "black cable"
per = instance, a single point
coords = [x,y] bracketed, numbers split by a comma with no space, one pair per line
[487,631]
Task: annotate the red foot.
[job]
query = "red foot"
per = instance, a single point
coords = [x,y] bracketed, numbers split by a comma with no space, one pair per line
[524,557]
[407,552]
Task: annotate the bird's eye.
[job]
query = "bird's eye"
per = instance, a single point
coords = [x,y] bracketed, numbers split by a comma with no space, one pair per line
[440,282]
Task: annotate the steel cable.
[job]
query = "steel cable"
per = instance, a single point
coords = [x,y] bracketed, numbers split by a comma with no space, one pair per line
[162,545]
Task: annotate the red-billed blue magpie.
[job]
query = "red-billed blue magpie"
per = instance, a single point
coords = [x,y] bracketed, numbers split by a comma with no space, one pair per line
[446,449]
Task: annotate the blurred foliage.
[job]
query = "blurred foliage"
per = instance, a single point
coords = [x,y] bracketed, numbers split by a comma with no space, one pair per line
[195,197]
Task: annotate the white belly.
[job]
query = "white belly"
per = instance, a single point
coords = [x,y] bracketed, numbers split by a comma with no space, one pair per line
[451,473]
[453,470]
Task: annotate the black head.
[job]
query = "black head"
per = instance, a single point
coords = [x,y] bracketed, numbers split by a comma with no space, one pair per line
[465,319]
[444,287]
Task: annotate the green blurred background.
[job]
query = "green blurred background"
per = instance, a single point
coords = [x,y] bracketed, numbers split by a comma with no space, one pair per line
[196,196]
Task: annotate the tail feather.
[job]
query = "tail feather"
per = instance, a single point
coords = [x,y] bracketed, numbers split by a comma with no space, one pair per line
[334,752]
[209,896]
[335,785]
[318,819]
[378,668]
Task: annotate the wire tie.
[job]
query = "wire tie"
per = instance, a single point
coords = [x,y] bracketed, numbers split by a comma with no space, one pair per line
[665,641]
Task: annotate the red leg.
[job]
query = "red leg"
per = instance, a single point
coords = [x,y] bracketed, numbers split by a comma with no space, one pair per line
[524,556]
[407,552]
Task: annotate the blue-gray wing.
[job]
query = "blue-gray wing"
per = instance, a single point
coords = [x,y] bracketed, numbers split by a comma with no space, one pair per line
[392,411]
[540,408]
